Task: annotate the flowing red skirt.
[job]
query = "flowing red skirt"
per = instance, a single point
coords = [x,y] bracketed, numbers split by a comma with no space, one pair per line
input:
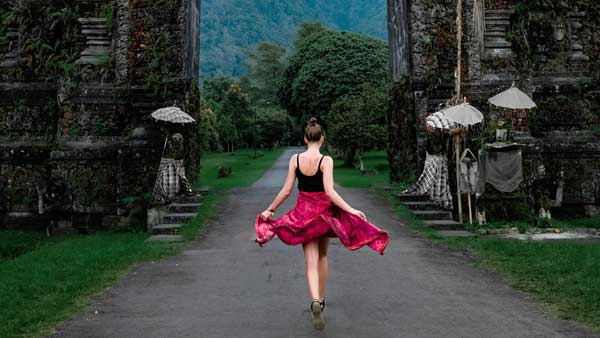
[315,216]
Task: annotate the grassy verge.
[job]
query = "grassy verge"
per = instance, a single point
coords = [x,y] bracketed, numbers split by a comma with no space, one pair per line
[245,168]
[16,243]
[375,162]
[563,275]
[45,281]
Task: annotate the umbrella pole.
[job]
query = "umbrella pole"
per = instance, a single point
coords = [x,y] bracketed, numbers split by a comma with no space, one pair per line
[470,209]
[457,150]
[165,146]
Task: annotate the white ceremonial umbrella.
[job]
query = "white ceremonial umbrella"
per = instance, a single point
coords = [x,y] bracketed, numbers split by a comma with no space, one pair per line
[464,114]
[467,116]
[513,98]
[172,115]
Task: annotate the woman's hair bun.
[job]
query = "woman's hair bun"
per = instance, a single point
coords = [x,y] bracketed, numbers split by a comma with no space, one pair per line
[312,121]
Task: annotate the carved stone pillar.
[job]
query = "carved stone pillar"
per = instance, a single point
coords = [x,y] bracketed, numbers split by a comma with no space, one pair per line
[496,27]
[577,54]
[98,41]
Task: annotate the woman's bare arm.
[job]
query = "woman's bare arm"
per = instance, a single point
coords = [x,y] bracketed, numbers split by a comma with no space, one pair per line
[327,168]
[285,191]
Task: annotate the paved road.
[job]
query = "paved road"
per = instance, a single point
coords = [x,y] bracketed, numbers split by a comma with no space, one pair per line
[224,286]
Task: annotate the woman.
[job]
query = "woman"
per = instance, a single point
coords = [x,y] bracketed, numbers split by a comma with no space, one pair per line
[320,213]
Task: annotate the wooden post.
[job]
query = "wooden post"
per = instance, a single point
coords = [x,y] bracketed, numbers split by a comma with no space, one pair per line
[457,150]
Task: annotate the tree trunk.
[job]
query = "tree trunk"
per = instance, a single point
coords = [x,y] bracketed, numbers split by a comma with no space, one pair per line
[349,155]
[401,118]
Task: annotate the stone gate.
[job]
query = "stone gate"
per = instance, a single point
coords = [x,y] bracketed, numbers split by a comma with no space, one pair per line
[78,80]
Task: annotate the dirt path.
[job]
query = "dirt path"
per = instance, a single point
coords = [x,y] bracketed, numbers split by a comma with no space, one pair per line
[224,286]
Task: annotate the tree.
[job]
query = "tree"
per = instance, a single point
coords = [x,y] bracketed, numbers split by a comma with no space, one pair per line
[273,126]
[216,88]
[208,135]
[267,64]
[305,30]
[330,64]
[235,110]
[357,123]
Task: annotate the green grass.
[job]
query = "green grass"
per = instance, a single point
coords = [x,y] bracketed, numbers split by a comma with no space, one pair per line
[44,281]
[16,243]
[47,285]
[245,169]
[563,275]
[353,178]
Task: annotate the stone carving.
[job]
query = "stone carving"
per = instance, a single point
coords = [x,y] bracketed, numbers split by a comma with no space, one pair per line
[98,41]
[576,47]
[497,23]
[12,51]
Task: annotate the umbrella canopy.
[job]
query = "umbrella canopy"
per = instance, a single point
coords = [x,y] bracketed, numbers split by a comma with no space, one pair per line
[513,98]
[172,115]
[439,121]
[463,114]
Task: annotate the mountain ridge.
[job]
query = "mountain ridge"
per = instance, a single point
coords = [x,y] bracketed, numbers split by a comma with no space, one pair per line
[229,27]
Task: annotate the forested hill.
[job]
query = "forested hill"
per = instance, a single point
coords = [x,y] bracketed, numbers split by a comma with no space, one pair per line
[230,26]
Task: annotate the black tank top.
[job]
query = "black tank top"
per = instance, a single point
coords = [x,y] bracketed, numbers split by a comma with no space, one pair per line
[312,183]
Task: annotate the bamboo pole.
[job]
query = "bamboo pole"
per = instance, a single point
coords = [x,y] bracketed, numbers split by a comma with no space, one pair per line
[457,150]
[459,34]
[470,209]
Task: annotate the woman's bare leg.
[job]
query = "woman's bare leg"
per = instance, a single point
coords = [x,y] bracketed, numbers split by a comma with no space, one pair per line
[311,253]
[323,266]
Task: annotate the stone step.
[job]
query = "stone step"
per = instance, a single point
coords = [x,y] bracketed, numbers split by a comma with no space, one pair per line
[165,238]
[431,215]
[94,32]
[443,224]
[497,44]
[183,207]
[94,20]
[411,197]
[421,205]
[178,218]
[99,42]
[495,34]
[197,198]
[166,229]
[96,52]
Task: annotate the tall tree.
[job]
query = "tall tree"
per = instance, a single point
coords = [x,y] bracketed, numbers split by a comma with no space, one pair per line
[236,114]
[357,123]
[329,64]
[267,64]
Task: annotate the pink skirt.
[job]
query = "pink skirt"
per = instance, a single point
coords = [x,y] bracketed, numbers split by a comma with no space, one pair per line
[315,216]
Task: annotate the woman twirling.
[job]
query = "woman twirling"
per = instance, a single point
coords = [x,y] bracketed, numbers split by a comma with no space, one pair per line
[320,213]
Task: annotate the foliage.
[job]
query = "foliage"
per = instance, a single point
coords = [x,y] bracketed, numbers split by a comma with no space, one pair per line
[273,126]
[208,135]
[328,65]
[266,66]
[230,27]
[357,122]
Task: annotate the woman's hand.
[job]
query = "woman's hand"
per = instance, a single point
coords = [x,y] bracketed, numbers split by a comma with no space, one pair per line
[359,214]
[266,214]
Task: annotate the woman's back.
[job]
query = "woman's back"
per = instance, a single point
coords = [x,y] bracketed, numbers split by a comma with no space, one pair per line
[309,178]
